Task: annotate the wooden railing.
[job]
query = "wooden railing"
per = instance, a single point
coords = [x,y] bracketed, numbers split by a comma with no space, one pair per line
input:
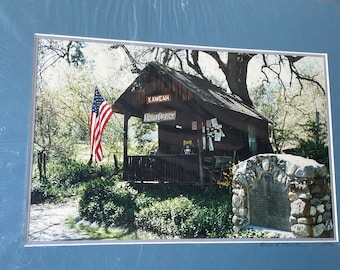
[163,168]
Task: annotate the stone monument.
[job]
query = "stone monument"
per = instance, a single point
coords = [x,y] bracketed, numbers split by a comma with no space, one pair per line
[283,192]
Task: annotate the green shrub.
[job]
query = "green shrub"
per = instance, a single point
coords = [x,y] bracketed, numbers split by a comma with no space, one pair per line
[63,179]
[315,145]
[39,191]
[70,172]
[43,191]
[142,200]
[181,217]
[165,217]
[108,203]
[247,234]
[206,222]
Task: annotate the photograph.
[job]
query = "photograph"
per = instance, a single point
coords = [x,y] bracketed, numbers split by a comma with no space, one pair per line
[136,142]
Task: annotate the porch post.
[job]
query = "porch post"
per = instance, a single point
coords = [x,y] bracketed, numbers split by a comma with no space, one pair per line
[125,145]
[200,150]
[200,144]
[200,161]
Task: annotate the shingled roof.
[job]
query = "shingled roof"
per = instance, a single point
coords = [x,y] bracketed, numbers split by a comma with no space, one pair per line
[208,92]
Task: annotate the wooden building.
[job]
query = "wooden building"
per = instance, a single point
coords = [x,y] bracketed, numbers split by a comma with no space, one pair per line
[200,127]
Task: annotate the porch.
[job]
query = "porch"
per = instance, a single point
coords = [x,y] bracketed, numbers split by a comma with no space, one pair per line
[163,169]
[178,169]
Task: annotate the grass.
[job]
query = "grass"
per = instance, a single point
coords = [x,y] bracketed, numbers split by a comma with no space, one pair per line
[104,233]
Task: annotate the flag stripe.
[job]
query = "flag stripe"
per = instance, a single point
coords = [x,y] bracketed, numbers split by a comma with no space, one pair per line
[101,114]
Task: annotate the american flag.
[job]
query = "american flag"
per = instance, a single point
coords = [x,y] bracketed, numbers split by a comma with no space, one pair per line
[100,115]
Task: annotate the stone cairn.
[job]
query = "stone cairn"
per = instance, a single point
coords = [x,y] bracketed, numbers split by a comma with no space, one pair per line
[308,187]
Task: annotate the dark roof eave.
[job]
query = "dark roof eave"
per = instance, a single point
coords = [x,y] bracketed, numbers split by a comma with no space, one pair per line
[205,91]
[233,99]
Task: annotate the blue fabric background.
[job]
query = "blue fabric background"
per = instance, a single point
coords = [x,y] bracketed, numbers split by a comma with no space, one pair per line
[291,25]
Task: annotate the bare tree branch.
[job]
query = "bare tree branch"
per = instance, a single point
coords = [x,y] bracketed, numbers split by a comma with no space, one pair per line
[300,77]
[194,64]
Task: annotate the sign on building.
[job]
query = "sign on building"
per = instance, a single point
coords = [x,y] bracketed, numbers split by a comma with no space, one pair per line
[159,116]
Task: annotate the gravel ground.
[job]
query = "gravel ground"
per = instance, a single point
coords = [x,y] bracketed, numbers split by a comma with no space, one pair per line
[48,222]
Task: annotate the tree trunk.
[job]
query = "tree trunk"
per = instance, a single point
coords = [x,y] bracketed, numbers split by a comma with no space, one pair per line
[236,73]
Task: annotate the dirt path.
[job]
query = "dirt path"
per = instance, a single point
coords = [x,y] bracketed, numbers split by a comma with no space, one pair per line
[48,222]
